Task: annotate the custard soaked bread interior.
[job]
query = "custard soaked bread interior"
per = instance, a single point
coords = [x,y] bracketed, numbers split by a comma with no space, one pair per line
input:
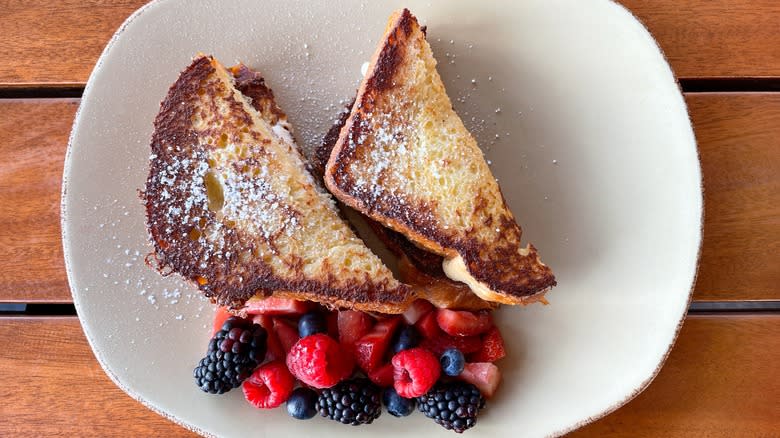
[405,159]
[231,206]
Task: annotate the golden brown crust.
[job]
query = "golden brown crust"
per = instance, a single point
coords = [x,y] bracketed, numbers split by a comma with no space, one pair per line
[178,213]
[493,258]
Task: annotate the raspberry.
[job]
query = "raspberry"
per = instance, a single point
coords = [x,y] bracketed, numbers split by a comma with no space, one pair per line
[319,361]
[269,386]
[415,371]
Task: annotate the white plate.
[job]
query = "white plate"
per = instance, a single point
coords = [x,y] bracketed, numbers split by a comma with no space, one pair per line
[572,101]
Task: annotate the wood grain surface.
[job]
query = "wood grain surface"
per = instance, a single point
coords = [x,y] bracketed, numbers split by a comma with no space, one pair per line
[738,141]
[49,43]
[33,139]
[719,381]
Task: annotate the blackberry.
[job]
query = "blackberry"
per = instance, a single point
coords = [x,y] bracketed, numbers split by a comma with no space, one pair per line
[355,402]
[453,405]
[233,353]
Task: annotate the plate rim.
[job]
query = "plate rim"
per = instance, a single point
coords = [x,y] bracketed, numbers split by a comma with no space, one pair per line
[67,164]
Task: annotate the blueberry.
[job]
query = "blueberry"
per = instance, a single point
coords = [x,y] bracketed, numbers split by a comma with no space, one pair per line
[302,403]
[407,338]
[397,406]
[452,362]
[310,324]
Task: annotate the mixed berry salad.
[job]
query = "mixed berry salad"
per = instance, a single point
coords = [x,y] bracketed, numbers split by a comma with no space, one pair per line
[350,366]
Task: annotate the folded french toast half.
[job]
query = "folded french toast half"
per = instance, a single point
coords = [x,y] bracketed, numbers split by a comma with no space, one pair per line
[231,206]
[405,159]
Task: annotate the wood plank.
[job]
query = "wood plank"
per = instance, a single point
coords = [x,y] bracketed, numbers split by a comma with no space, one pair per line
[49,43]
[714,38]
[719,381]
[51,385]
[33,139]
[737,135]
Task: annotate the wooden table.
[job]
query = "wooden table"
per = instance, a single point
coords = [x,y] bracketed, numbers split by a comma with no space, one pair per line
[721,380]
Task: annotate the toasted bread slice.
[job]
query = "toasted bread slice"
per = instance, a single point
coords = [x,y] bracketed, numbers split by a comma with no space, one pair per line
[231,207]
[405,159]
[418,268]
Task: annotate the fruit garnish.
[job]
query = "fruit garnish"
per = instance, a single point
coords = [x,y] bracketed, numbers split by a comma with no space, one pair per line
[406,338]
[275,350]
[463,323]
[396,405]
[428,326]
[353,325]
[269,386]
[492,347]
[302,403]
[221,315]
[484,375]
[415,371]
[232,354]
[354,402]
[319,361]
[311,323]
[466,344]
[459,412]
[452,362]
[287,333]
[371,348]
[276,306]
[416,311]
[383,375]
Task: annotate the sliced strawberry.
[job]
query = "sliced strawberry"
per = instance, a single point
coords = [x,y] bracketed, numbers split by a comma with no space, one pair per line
[428,327]
[416,311]
[331,322]
[276,306]
[287,333]
[220,315]
[353,325]
[466,344]
[463,323]
[382,376]
[371,348]
[485,376]
[492,347]
[275,350]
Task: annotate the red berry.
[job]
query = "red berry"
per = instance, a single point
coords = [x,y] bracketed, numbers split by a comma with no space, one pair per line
[275,350]
[331,322]
[287,333]
[428,327]
[220,316]
[269,386]
[492,347]
[370,349]
[383,376]
[276,306]
[415,371]
[353,325]
[466,344]
[416,311]
[319,361]
[463,323]
[485,376]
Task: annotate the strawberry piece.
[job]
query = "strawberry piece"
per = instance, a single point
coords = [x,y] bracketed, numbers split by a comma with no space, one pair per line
[318,360]
[415,371]
[466,344]
[416,311]
[220,316]
[353,325]
[463,323]
[287,333]
[331,322]
[269,386]
[428,326]
[383,376]
[371,348]
[492,347]
[276,306]
[274,350]
[484,375]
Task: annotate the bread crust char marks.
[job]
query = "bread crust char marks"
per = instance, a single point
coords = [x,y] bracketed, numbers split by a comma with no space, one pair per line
[219,216]
[405,159]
